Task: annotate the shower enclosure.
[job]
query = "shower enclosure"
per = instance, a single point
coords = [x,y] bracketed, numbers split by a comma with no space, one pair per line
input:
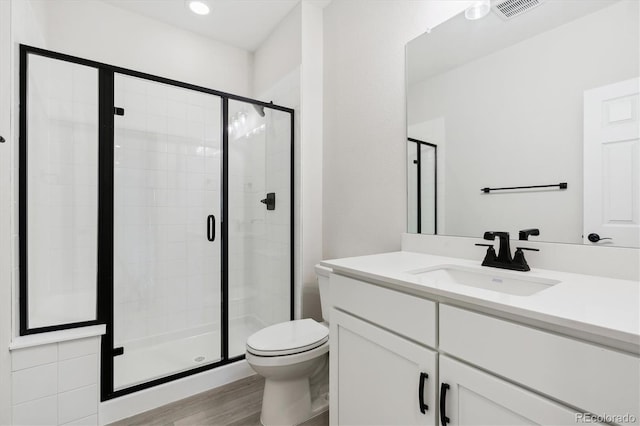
[422,187]
[183,198]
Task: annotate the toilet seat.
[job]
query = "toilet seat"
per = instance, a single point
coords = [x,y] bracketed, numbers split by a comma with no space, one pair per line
[288,338]
[281,361]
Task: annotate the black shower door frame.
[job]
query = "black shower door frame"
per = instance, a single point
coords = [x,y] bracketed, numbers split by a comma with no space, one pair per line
[418,160]
[105,289]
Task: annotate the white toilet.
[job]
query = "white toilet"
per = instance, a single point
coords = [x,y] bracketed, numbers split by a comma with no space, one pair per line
[293,357]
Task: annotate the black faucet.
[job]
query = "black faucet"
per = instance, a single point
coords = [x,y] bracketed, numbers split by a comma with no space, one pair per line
[503,259]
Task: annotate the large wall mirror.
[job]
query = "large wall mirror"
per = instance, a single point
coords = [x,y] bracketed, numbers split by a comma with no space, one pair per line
[528,119]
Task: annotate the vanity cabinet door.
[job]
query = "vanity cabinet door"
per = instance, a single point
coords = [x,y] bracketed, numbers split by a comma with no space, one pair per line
[469,396]
[384,379]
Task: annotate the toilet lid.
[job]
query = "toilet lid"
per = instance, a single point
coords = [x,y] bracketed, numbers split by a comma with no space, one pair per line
[288,338]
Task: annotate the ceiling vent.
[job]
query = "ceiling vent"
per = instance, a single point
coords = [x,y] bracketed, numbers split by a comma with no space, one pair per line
[508,9]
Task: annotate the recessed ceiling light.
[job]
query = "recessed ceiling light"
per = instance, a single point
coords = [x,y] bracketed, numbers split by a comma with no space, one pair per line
[478,10]
[199,7]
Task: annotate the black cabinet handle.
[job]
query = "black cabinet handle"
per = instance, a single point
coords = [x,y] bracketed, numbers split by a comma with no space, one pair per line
[211,227]
[423,407]
[443,398]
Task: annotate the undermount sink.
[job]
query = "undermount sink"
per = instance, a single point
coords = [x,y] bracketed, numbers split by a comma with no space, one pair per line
[486,278]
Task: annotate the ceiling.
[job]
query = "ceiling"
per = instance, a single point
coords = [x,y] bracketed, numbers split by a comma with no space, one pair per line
[459,40]
[240,23]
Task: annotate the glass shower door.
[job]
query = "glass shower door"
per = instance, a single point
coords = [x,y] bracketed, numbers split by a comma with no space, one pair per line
[167,215]
[259,203]
[422,203]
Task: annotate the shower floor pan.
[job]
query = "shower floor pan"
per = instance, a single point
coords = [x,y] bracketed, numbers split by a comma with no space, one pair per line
[143,363]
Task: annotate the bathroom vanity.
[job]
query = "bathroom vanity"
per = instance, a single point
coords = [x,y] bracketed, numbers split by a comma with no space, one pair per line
[424,339]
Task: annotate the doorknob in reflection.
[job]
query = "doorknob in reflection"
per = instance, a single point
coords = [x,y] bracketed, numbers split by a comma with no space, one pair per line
[594,238]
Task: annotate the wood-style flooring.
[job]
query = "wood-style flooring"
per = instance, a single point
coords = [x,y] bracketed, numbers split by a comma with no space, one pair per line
[235,404]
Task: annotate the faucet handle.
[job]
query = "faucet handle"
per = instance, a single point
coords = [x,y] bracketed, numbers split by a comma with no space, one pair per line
[518,258]
[490,256]
[524,234]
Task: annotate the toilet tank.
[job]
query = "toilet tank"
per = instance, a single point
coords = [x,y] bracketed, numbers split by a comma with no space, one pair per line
[323,273]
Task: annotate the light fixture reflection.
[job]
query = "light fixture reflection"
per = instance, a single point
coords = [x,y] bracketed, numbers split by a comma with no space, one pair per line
[199,7]
[478,10]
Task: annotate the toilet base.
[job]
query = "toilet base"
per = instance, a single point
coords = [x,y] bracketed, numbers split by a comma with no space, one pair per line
[318,406]
[289,400]
[285,402]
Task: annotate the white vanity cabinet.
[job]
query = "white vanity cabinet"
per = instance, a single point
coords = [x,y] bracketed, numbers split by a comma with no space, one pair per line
[383,378]
[379,376]
[590,377]
[470,396]
[494,371]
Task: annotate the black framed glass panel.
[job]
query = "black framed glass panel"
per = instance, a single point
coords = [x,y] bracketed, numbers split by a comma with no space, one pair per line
[59,184]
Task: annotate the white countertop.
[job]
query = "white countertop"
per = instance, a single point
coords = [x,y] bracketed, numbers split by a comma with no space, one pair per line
[604,310]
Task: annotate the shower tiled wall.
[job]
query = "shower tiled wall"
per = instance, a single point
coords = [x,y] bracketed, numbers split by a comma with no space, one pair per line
[56,383]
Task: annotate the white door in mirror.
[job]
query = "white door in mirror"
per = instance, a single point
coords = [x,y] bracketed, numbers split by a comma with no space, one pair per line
[611,163]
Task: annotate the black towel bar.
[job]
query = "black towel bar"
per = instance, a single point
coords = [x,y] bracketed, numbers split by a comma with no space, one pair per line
[561,185]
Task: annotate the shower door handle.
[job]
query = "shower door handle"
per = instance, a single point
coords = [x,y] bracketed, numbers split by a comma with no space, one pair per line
[211,227]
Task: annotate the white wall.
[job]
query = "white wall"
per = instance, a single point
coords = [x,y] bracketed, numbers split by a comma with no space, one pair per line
[364,172]
[6,232]
[311,118]
[21,21]
[508,132]
[279,54]
[95,30]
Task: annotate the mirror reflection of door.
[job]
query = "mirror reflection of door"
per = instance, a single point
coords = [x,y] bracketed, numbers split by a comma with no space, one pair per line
[422,186]
[611,162]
